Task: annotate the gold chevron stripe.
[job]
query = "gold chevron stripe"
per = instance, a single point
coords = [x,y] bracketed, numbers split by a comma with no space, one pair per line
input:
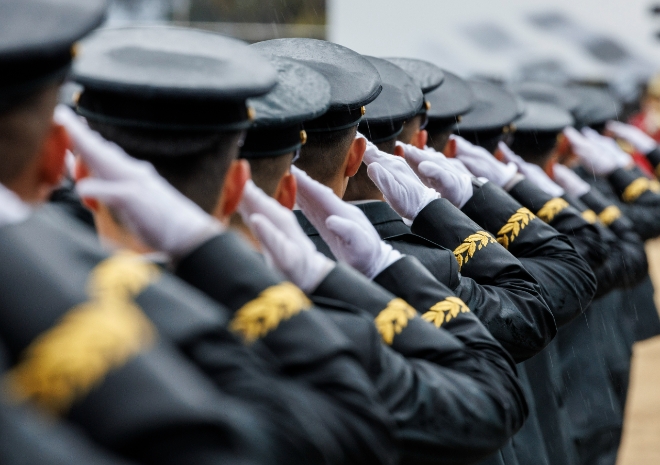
[262,315]
[470,245]
[551,208]
[508,233]
[445,311]
[394,319]
[67,361]
[609,215]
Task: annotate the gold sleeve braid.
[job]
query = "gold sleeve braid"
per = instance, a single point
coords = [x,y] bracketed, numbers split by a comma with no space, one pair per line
[262,315]
[445,311]
[609,215]
[393,319]
[590,216]
[466,250]
[518,221]
[68,360]
[551,208]
[636,188]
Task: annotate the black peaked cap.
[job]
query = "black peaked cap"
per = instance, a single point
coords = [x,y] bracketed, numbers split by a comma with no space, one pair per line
[354,82]
[169,78]
[301,94]
[452,99]
[596,106]
[494,108]
[427,75]
[543,117]
[37,40]
[400,100]
[548,93]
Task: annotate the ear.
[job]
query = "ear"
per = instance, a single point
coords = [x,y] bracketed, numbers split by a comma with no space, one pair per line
[450,149]
[355,155]
[52,157]
[232,189]
[398,151]
[420,139]
[286,191]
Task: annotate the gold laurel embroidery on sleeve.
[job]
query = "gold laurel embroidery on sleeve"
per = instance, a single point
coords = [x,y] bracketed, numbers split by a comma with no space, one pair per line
[262,315]
[635,189]
[67,361]
[589,216]
[609,215]
[654,185]
[551,208]
[657,171]
[507,234]
[445,311]
[470,245]
[394,319]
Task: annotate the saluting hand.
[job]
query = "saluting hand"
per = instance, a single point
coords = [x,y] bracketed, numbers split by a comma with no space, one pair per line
[284,242]
[344,227]
[144,202]
[452,180]
[595,152]
[483,164]
[532,172]
[400,186]
[635,136]
[570,181]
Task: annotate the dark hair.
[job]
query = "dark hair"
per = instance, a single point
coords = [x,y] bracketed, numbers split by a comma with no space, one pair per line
[23,129]
[268,171]
[534,147]
[409,128]
[195,163]
[439,135]
[325,152]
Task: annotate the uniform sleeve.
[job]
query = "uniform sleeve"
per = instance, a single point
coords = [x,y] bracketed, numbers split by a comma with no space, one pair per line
[626,264]
[566,280]
[306,345]
[444,347]
[640,200]
[492,282]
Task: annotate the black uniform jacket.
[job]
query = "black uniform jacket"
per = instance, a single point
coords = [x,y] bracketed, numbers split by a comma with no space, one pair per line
[502,294]
[28,438]
[418,376]
[567,282]
[460,353]
[116,330]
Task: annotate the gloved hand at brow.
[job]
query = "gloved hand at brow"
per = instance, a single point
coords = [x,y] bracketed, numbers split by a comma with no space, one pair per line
[532,172]
[570,181]
[145,203]
[633,135]
[284,243]
[344,227]
[437,172]
[400,186]
[482,164]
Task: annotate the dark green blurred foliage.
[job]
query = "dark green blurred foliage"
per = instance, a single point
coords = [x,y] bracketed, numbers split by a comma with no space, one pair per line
[259,11]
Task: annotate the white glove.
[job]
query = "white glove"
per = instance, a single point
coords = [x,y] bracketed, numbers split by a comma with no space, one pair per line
[344,227]
[570,181]
[144,202]
[635,136]
[12,208]
[610,147]
[483,164]
[400,186]
[284,243]
[532,172]
[435,171]
[593,155]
